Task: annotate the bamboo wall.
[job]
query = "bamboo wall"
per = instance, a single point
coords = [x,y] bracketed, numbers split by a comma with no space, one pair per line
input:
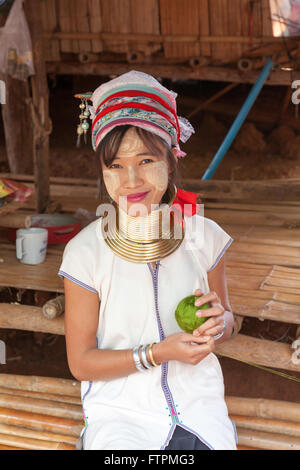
[216,20]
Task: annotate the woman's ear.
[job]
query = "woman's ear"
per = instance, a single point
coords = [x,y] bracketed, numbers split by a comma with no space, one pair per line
[174,150]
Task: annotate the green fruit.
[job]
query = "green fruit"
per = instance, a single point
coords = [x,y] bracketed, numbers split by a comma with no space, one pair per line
[185,314]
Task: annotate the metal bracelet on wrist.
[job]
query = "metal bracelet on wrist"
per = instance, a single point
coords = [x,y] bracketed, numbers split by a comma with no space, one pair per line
[219,335]
[145,361]
[136,358]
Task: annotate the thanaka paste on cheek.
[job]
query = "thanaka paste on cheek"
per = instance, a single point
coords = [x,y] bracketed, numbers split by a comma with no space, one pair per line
[112,182]
[157,174]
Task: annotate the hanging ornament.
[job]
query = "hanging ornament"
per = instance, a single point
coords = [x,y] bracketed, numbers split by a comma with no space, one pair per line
[83,126]
[79,134]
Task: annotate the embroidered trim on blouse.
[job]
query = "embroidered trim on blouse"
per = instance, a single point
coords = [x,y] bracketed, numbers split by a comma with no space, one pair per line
[221,254]
[82,284]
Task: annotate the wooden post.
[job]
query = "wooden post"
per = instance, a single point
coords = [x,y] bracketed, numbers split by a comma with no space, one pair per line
[39,108]
[17,125]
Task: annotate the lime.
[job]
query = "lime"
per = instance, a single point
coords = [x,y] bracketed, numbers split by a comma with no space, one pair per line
[185,313]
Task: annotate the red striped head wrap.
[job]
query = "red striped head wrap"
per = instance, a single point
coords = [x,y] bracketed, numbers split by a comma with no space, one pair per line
[138,99]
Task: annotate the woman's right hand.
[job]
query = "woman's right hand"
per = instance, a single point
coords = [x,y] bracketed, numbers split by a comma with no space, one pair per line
[183,347]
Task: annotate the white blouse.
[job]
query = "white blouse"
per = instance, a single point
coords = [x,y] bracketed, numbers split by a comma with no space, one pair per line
[137,305]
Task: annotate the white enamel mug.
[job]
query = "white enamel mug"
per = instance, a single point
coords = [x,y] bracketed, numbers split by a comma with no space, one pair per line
[31,245]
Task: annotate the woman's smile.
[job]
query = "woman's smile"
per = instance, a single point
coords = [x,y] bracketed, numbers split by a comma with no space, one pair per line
[136,196]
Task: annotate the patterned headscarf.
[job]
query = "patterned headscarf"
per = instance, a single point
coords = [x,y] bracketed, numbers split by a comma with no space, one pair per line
[138,99]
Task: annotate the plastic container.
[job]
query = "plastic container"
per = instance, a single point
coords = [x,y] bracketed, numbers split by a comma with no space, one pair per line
[61,228]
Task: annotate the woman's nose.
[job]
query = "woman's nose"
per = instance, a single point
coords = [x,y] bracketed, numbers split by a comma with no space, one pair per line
[133,178]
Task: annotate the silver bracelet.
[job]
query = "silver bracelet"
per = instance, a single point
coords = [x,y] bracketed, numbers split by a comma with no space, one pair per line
[136,359]
[219,335]
[145,361]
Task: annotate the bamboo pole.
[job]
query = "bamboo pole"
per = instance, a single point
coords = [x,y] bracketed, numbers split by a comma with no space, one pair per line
[264,235]
[159,38]
[267,441]
[246,448]
[254,217]
[259,308]
[263,408]
[230,196]
[212,73]
[42,395]
[258,351]
[267,425]
[28,318]
[54,307]
[62,180]
[47,407]
[41,384]
[53,179]
[44,436]
[4,447]
[265,259]
[15,220]
[265,207]
[61,190]
[41,422]
[287,190]
[33,444]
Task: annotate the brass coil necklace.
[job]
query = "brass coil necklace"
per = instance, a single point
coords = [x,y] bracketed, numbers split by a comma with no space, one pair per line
[145,239]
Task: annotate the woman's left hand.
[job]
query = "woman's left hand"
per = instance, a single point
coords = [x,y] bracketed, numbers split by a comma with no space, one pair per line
[215,324]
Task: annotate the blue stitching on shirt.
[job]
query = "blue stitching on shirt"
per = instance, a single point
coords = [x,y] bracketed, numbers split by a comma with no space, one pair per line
[221,254]
[82,284]
[164,375]
[235,431]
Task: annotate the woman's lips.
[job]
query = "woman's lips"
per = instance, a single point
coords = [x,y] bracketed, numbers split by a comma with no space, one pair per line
[137,197]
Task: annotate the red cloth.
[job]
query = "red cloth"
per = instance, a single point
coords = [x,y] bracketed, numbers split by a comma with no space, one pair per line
[187,202]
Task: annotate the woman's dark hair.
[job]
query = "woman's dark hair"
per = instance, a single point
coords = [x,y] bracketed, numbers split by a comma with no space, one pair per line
[109,146]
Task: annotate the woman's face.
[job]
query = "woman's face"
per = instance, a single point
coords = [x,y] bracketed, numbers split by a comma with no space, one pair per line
[136,178]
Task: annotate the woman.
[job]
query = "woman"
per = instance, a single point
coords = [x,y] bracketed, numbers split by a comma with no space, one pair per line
[146,384]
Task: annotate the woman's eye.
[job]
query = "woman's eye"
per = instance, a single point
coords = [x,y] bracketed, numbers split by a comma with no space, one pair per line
[116,165]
